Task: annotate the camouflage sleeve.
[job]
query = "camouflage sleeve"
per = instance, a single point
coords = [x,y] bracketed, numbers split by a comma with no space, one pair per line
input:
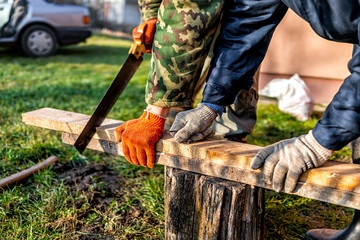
[184,33]
[149,9]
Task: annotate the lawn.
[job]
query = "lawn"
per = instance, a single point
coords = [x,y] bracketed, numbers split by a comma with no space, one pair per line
[101,196]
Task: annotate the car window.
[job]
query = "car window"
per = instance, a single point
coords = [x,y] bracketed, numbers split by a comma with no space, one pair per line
[5,8]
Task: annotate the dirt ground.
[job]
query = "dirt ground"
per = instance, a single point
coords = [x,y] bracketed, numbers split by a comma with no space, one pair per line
[100,187]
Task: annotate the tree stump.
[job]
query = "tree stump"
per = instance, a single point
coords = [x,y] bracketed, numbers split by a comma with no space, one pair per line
[203,207]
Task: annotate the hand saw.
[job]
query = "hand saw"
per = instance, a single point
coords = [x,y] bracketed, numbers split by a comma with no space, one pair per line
[126,72]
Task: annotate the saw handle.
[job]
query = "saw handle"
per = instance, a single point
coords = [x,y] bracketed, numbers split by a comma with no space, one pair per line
[138,47]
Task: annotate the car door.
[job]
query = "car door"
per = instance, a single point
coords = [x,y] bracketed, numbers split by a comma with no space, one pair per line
[5,9]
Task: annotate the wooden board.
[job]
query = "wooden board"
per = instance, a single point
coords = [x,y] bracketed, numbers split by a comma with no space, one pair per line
[334,182]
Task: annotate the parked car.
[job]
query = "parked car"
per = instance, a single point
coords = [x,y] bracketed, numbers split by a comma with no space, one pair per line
[38,27]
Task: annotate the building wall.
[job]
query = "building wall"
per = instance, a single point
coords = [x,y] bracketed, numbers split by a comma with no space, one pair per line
[117,15]
[121,15]
[295,48]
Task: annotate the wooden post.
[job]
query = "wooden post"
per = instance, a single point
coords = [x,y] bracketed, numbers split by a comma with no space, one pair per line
[202,207]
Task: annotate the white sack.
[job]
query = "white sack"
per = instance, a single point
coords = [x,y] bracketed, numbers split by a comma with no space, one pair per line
[293,96]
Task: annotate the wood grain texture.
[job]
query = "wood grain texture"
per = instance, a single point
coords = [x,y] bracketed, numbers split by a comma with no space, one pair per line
[334,182]
[202,207]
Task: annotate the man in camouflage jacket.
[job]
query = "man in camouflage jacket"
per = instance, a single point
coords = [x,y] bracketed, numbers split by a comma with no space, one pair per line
[185,31]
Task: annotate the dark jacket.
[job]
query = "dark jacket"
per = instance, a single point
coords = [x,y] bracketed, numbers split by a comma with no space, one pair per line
[247,28]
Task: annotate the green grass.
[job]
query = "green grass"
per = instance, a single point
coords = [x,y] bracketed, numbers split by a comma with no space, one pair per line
[45,207]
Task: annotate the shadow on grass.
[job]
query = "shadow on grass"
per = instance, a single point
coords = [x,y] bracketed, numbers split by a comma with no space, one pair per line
[11,52]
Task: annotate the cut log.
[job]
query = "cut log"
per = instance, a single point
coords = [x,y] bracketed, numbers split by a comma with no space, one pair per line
[334,182]
[203,207]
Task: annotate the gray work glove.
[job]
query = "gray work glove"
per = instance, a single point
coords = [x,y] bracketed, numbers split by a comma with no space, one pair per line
[286,160]
[193,125]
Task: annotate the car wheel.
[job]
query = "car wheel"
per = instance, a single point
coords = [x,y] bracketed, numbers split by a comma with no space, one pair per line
[38,41]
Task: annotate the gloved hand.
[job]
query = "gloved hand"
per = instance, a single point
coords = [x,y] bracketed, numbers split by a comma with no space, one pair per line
[193,125]
[286,160]
[138,138]
[149,34]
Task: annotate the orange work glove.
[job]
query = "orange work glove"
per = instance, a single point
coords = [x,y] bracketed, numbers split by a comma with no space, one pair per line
[148,35]
[139,136]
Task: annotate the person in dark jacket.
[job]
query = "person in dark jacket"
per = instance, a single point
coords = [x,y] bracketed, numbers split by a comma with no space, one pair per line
[247,29]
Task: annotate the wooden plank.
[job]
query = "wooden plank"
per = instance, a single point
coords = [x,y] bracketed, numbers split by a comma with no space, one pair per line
[70,122]
[334,182]
[305,187]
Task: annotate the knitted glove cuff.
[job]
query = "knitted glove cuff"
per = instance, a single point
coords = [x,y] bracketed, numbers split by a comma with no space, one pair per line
[322,153]
[206,112]
[154,118]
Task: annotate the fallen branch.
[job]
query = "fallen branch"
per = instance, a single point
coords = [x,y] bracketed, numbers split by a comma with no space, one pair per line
[26,173]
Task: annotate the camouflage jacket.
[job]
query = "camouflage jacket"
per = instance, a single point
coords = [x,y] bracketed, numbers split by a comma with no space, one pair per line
[149,9]
[184,33]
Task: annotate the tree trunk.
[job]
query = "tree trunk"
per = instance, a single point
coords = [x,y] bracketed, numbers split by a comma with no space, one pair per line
[203,207]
